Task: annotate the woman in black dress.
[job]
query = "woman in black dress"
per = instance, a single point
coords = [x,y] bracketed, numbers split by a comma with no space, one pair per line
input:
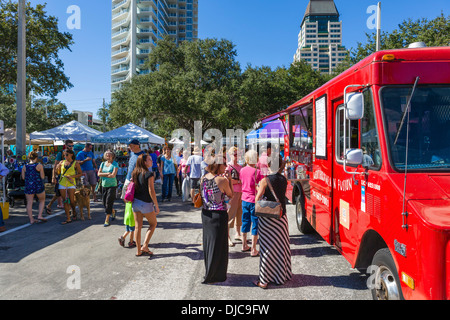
[214,187]
[275,253]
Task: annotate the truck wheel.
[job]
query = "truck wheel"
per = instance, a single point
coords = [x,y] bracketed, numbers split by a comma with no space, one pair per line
[303,224]
[387,282]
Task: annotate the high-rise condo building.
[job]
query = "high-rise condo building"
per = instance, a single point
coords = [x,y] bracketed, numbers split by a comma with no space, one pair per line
[320,37]
[138,24]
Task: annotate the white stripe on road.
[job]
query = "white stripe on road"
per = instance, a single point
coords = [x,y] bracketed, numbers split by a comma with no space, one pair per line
[29,224]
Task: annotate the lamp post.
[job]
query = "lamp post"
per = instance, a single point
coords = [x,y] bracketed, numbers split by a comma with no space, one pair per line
[21,82]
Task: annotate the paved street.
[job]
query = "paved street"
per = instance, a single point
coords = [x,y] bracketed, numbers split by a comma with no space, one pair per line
[47,261]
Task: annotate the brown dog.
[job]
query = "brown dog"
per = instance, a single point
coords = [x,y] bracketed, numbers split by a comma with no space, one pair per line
[82,199]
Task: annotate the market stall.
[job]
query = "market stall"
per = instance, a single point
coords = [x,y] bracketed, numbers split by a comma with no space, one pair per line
[127,132]
[272,132]
[120,137]
[72,130]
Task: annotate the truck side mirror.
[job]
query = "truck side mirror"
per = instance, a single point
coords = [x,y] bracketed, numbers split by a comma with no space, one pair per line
[354,156]
[355,106]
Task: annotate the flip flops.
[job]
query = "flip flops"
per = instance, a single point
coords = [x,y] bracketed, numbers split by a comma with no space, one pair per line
[145,253]
[37,221]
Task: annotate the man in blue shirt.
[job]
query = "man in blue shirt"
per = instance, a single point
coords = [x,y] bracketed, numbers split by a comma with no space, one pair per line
[88,166]
[194,163]
[136,151]
[3,173]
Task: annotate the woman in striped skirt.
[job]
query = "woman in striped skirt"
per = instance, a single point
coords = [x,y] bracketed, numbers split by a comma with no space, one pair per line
[275,253]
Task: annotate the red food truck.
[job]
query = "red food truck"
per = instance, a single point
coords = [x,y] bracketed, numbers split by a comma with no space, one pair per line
[368,158]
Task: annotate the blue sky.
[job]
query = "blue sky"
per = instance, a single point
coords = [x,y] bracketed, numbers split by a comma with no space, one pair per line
[265,32]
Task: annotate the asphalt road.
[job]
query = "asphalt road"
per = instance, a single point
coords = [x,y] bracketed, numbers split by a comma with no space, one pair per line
[83,261]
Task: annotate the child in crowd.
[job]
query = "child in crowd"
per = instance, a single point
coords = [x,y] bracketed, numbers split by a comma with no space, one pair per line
[129,227]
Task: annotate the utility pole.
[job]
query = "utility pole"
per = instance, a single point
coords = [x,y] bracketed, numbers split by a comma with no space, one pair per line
[104,115]
[21,82]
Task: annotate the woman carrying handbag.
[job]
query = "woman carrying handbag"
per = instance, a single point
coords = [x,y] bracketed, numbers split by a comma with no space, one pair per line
[275,253]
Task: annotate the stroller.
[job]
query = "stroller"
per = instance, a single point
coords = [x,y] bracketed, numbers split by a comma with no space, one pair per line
[15,187]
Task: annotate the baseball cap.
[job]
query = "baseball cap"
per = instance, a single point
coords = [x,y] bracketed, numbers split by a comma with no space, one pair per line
[134,141]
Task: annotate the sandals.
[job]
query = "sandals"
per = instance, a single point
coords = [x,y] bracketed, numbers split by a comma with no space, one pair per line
[66,222]
[261,285]
[145,253]
[48,210]
[255,254]
[131,244]
[122,241]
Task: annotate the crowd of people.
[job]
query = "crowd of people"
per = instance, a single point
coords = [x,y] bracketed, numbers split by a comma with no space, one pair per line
[228,188]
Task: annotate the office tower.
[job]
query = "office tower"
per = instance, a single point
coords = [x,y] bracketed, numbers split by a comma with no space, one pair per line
[320,37]
[138,24]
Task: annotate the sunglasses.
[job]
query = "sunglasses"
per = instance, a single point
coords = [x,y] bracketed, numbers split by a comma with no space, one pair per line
[70,146]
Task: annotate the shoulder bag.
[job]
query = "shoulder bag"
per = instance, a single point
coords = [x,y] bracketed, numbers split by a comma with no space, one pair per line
[269,209]
[129,194]
[198,201]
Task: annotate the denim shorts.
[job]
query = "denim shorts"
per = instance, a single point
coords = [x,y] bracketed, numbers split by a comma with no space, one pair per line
[249,219]
[142,206]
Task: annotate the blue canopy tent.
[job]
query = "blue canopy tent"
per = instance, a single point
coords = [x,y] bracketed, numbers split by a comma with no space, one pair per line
[272,131]
[72,130]
[126,133]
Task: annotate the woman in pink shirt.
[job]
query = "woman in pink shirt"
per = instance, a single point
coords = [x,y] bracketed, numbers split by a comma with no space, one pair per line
[235,204]
[250,177]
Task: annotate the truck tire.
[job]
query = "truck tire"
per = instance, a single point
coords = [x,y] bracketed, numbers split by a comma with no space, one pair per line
[303,224]
[387,282]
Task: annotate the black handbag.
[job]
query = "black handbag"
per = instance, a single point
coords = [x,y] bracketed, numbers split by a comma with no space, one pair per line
[269,209]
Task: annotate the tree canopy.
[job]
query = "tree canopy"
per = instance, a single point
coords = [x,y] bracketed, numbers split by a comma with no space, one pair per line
[45,70]
[202,81]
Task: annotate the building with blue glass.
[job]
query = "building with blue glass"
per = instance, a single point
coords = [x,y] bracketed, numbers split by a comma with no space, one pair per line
[320,37]
[138,24]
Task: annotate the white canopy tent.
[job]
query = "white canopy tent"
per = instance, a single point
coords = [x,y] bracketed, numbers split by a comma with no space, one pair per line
[126,133]
[72,130]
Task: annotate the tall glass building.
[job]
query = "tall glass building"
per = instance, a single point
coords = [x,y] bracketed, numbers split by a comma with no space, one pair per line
[138,24]
[320,37]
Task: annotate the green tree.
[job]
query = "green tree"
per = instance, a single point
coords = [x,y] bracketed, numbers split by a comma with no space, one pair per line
[265,91]
[193,81]
[42,114]
[45,70]
[202,81]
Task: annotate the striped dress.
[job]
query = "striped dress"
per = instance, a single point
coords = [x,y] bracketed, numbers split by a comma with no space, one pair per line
[275,253]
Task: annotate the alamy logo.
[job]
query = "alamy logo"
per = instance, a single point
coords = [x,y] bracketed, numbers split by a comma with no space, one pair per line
[372,20]
[74,21]
[74,280]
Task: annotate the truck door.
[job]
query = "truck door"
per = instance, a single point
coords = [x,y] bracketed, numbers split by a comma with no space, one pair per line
[319,209]
[353,201]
